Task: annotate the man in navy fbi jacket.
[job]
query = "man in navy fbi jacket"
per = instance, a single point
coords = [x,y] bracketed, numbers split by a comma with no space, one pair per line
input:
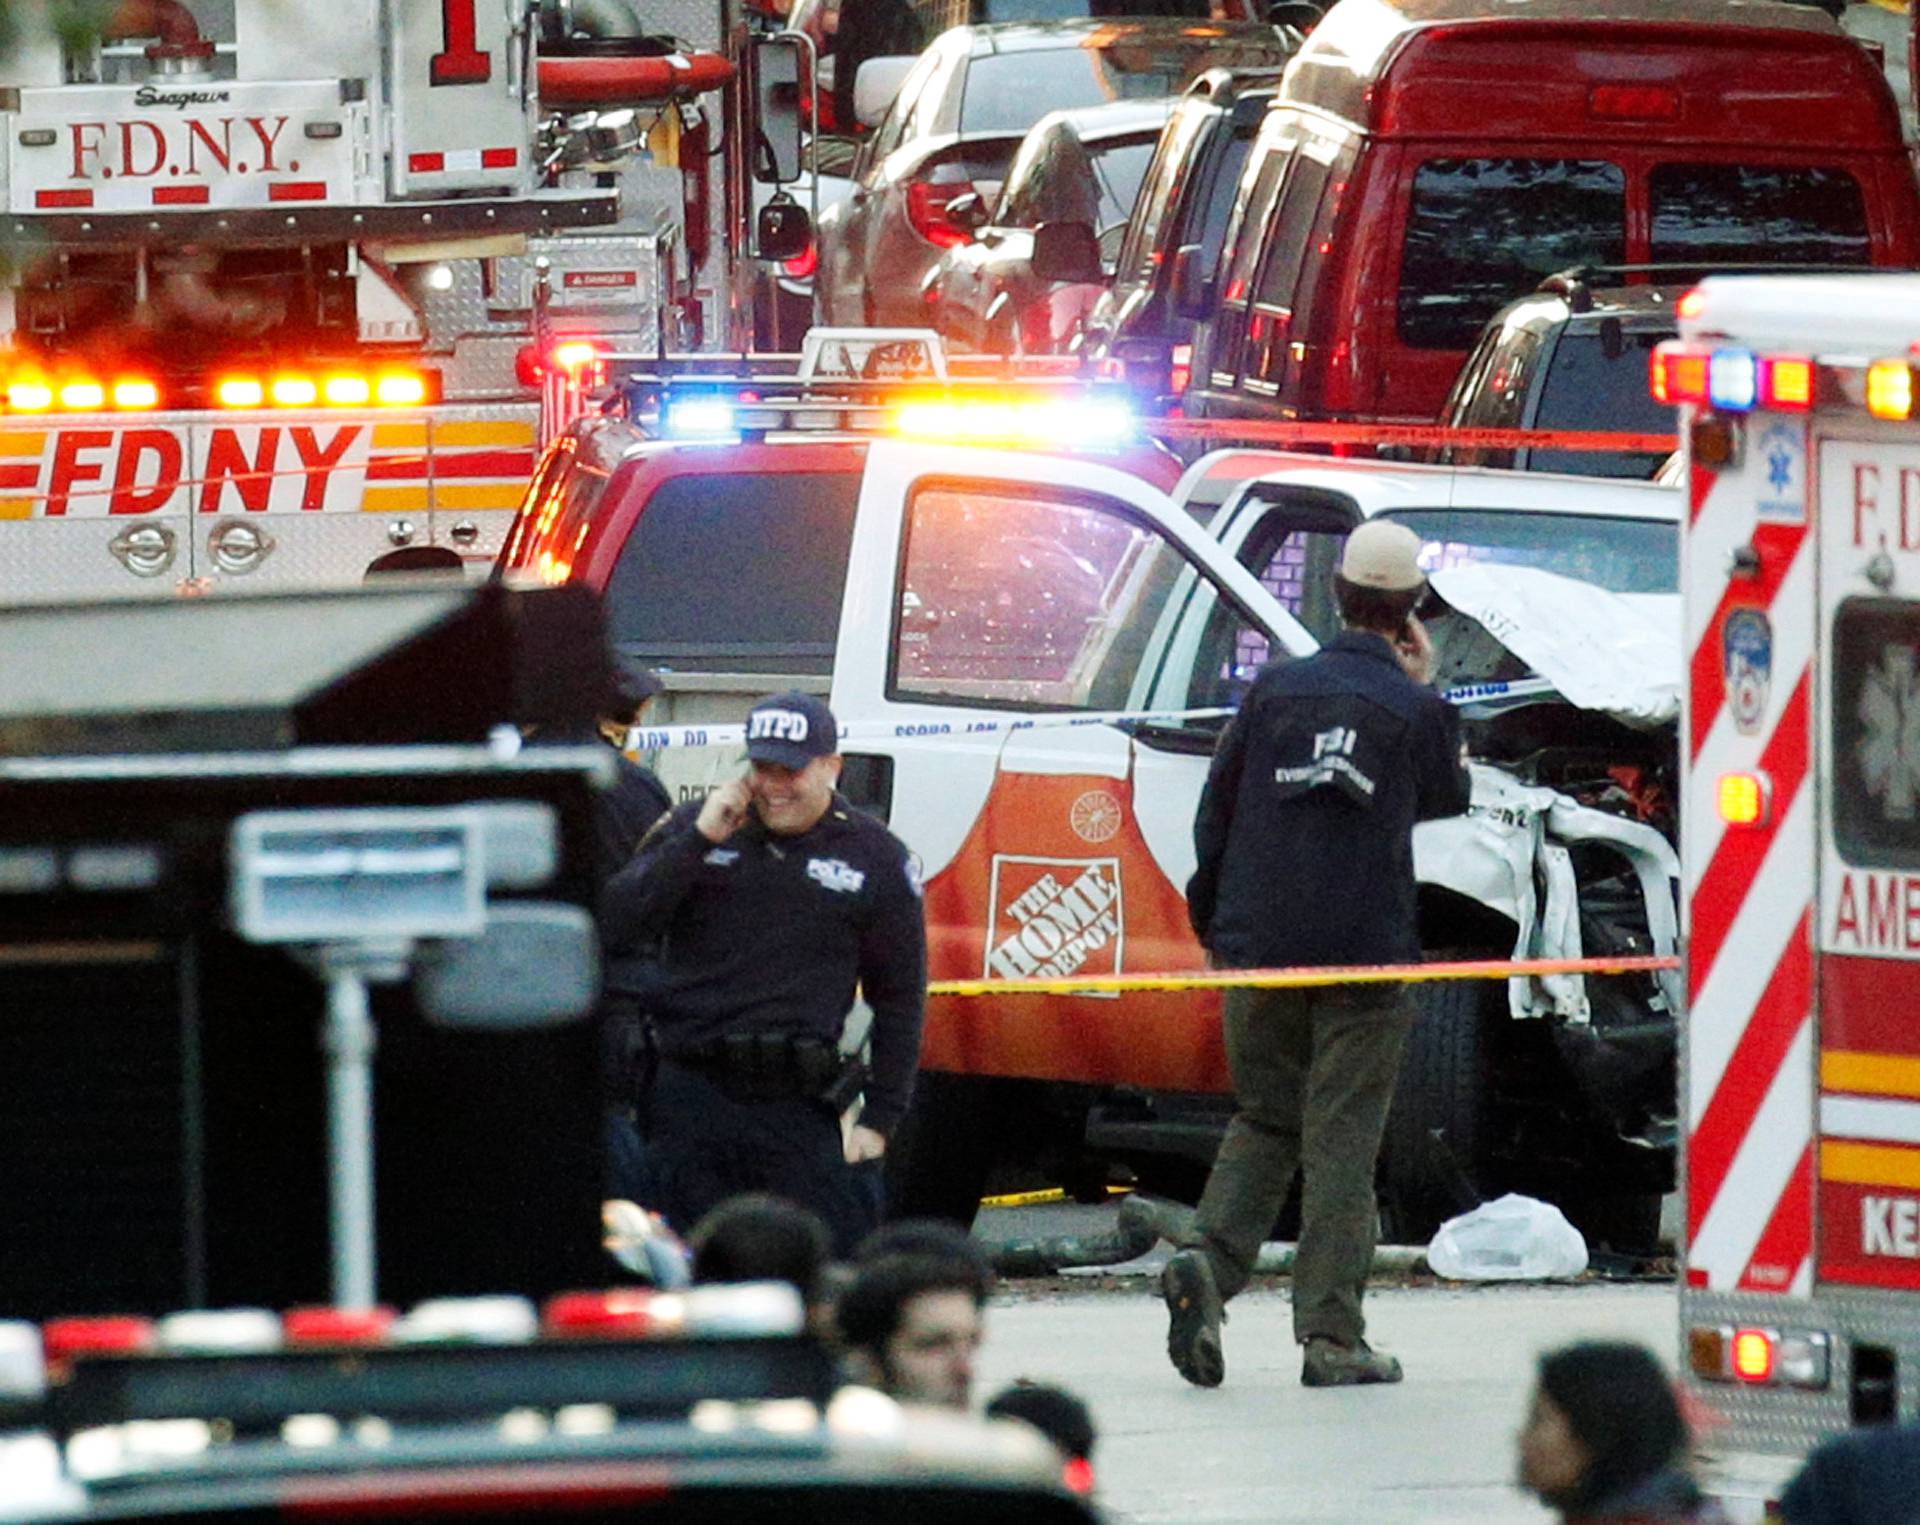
[1305,848]
[767,903]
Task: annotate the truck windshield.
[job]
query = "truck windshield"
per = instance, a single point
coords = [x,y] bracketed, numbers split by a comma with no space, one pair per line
[1619,554]
[743,571]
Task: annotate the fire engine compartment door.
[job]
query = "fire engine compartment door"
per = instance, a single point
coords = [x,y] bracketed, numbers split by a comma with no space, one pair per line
[1008,590]
[1868,742]
[459,120]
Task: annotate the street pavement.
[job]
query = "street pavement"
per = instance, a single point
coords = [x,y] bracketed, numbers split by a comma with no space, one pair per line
[1437,1448]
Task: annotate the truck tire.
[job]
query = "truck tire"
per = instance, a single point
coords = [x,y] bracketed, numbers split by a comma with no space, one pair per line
[939,1160]
[1432,1164]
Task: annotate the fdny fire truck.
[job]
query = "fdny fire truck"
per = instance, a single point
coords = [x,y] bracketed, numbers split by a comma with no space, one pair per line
[1800,1302]
[280,295]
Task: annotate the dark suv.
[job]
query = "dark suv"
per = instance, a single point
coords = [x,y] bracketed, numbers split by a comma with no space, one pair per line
[1568,357]
[1137,329]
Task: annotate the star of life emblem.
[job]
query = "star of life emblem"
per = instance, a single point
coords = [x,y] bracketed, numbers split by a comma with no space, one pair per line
[1888,751]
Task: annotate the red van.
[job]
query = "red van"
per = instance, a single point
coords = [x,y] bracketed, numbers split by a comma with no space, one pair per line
[1427,161]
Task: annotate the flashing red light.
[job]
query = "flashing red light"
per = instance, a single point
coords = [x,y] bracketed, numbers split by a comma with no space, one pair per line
[1753,1355]
[135,396]
[294,391]
[400,389]
[803,264]
[1180,375]
[622,1310]
[240,392]
[927,203]
[1078,1476]
[1786,383]
[1679,374]
[337,1326]
[1633,103]
[1692,304]
[64,1338]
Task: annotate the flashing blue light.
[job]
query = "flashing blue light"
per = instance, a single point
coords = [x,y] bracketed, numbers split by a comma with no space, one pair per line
[1733,380]
[694,418]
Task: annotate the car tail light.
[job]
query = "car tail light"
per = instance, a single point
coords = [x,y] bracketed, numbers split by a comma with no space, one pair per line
[338,1326]
[927,203]
[1180,377]
[1633,103]
[803,264]
[65,1338]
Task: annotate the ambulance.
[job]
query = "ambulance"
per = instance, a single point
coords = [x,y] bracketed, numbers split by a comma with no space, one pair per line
[280,297]
[1800,846]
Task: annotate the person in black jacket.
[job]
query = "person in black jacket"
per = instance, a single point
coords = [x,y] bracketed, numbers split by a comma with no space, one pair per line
[768,903]
[1305,856]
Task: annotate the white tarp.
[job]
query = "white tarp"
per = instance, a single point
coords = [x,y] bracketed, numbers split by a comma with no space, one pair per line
[1617,653]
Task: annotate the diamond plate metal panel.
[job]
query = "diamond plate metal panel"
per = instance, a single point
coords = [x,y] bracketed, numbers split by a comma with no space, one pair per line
[55,559]
[1791,1421]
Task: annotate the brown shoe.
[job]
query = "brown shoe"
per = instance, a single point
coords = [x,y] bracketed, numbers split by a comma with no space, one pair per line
[1193,1304]
[1328,1363]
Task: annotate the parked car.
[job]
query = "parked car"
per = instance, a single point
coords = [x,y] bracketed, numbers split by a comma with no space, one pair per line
[1136,330]
[957,122]
[1407,184]
[1072,189]
[1568,357]
[845,33]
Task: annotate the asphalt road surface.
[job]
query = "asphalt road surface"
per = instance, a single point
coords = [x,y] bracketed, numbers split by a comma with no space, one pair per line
[1436,1448]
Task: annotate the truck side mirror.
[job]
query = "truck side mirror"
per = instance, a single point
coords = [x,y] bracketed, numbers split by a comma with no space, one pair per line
[782,230]
[967,214]
[1066,251]
[877,83]
[1192,292]
[777,74]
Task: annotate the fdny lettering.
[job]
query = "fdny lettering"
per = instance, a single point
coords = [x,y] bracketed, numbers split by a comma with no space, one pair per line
[835,874]
[1059,927]
[190,147]
[1877,913]
[777,725]
[1890,1226]
[133,471]
[1886,511]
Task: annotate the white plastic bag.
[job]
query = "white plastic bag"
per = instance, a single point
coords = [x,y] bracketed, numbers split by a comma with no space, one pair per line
[1512,1238]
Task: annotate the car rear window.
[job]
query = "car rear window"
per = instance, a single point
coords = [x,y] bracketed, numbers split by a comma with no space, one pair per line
[742,571]
[1728,213]
[1481,232]
[1009,92]
[1075,10]
[1593,382]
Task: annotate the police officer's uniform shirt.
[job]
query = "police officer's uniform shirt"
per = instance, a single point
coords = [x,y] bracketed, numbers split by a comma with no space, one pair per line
[766,933]
[1305,829]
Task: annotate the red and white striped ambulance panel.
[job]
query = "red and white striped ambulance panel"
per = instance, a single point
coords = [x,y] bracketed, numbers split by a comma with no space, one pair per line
[1800,1304]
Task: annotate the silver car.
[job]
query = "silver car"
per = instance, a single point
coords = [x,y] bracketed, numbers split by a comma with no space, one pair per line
[957,121]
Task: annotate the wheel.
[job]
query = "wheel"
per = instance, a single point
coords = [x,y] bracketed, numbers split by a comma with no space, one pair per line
[939,1160]
[1436,1141]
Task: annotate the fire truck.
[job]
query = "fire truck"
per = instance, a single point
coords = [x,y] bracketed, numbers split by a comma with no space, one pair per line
[1800,1300]
[281,296]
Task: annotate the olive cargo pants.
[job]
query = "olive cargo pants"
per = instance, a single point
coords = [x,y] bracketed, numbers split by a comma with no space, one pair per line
[1314,1073]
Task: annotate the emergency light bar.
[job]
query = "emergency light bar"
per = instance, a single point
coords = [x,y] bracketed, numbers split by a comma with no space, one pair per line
[1735,380]
[30,392]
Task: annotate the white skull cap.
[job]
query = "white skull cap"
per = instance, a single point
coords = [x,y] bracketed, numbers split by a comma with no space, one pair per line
[1382,554]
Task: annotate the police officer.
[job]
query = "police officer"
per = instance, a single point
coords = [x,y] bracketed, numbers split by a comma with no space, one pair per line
[769,901]
[1304,838]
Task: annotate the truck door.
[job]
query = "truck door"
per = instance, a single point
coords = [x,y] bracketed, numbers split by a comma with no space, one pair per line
[1010,602]
[1868,740]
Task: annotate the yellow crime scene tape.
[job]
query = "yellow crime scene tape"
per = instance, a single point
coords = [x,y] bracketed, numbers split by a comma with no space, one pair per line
[1301,978]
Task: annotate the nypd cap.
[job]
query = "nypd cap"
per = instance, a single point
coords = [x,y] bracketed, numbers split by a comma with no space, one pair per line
[791,730]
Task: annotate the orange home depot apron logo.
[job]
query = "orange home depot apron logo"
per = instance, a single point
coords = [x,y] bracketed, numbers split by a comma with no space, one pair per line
[1054,917]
